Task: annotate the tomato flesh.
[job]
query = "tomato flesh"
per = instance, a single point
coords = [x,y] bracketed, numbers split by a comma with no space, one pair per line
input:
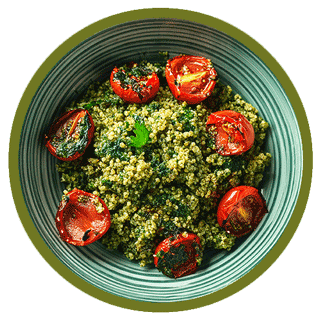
[190,78]
[70,135]
[134,84]
[232,132]
[178,255]
[78,220]
[240,210]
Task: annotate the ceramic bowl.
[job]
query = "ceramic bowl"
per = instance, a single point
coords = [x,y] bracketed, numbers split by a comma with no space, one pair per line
[92,60]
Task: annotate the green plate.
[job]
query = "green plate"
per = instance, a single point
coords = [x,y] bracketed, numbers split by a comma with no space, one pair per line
[108,275]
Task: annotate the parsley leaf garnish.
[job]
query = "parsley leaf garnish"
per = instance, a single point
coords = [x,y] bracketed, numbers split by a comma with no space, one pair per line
[142,135]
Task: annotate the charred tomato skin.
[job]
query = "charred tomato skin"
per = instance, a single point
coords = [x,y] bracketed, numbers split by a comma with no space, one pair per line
[178,255]
[147,91]
[241,210]
[78,221]
[60,123]
[190,78]
[234,133]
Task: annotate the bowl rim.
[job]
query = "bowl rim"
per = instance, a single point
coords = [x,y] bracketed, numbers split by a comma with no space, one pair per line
[70,44]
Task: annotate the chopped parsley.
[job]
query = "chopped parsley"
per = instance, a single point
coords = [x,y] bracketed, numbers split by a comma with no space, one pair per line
[113,149]
[113,100]
[182,210]
[133,77]
[67,146]
[185,118]
[169,228]
[234,163]
[172,260]
[153,106]
[93,103]
[106,182]
[160,167]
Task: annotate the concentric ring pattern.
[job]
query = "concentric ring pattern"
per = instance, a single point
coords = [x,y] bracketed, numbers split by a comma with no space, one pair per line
[93,59]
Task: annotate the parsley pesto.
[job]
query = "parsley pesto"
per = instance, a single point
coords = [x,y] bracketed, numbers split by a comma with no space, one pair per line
[156,168]
[67,145]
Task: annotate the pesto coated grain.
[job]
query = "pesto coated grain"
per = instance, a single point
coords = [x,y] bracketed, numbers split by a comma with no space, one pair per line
[171,183]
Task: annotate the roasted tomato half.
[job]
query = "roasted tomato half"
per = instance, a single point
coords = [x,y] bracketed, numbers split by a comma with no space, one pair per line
[70,135]
[82,218]
[190,78]
[232,132]
[135,84]
[178,255]
[240,210]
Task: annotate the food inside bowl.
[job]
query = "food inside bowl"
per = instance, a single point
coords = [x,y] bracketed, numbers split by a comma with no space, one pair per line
[135,83]
[241,209]
[70,135]
[190,78]
[158,169]
[232,132]
[178,255]
[82,218]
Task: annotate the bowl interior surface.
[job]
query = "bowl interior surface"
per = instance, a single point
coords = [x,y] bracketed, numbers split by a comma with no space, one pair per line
[93,60]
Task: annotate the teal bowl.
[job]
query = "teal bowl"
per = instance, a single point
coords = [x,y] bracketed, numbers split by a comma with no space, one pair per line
[92,60]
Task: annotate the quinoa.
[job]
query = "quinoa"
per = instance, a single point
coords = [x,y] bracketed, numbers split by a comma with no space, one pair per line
[171,184]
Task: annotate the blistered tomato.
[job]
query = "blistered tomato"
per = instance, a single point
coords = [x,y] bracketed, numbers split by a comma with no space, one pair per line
[70,135]
[134,84]
[233,134]
[240,210]
[82,218]
[190,78]
[178,255]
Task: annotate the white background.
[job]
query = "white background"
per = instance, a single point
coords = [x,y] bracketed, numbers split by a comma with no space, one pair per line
[32,30]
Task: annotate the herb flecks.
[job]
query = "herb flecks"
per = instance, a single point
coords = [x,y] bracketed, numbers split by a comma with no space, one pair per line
[181,209]
[160,167]
[134,77]
[114,149]
[173,259]
[67,145]
[185,118]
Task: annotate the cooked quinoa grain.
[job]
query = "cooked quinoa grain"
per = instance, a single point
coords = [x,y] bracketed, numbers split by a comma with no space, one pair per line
[173,183]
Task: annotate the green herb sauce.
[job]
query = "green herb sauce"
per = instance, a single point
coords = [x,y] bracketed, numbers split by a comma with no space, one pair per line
[67,145]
